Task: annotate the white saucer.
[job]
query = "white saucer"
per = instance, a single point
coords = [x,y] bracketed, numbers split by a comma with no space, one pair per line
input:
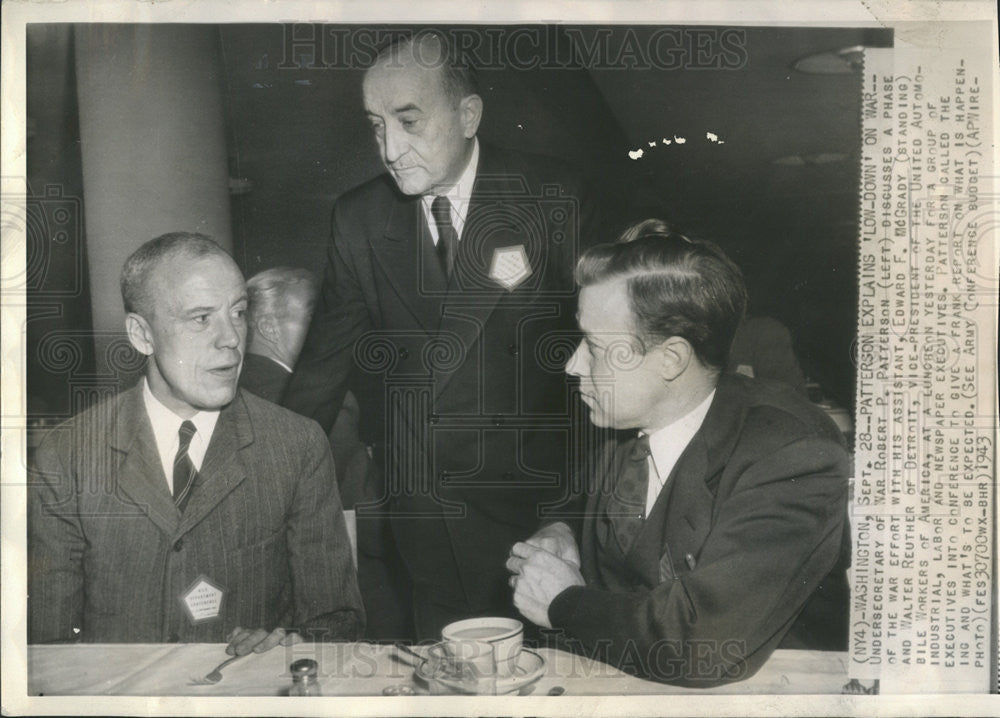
[530,667]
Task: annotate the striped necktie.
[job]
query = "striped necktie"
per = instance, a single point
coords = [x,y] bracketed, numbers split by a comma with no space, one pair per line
[447,245]
[184,471]
[627,504]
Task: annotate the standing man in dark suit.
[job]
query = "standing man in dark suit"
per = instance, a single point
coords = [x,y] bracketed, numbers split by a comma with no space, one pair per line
[183,509]
[717,534]
[449,284]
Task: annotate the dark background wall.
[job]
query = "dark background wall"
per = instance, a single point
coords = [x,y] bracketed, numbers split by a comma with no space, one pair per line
[780,194]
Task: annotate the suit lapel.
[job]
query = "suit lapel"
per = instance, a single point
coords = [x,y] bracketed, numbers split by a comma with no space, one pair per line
[473,296]
[405,253]
[681,518]
[140,475]
[222,470]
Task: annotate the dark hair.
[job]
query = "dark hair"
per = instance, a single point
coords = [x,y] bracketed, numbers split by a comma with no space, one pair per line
[141,263]
[677,287]
[458,75]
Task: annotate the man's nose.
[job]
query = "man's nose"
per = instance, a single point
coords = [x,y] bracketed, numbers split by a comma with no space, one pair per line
[576,366]
[394,144]
[230,334]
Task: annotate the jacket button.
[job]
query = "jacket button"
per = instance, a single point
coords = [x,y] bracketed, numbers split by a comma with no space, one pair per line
[178,544]
[512,350]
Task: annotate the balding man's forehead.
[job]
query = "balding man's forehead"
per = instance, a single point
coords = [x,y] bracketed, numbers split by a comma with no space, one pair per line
[399,88]
[183,265]
[426,50]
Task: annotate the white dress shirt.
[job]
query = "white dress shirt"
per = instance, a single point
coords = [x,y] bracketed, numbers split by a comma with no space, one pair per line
[666,446]
[458,196]
[166,428]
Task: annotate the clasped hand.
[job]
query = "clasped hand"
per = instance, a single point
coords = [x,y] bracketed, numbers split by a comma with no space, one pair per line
[543,567]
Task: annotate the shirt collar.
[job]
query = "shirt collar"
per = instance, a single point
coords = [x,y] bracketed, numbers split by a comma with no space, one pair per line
[460,193]
[166,423]
[667,444]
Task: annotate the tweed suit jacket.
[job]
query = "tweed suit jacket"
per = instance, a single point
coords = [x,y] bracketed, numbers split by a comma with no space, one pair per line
[745,549]
[477,423]
[110,555]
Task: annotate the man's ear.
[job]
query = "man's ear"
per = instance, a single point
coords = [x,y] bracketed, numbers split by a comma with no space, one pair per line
[139,333]
[676,355]
[267,328]
[471,109]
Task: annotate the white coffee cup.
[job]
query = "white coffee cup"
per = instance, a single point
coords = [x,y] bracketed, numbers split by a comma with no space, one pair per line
[504,637]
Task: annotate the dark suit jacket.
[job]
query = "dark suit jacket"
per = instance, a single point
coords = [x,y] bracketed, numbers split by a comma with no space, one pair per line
[110,554]
[747,545]
[478,426]
[264,377]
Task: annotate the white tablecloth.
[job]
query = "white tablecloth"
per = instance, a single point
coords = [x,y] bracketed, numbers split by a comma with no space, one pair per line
[360,669]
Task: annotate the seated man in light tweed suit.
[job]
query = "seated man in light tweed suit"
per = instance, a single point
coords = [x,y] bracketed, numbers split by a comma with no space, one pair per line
[184,509]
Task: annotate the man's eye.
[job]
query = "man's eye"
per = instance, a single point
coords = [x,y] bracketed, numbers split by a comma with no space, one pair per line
[240,313]
[409,125]
[200,319]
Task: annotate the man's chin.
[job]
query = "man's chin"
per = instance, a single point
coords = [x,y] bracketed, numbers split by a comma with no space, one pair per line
[410,186]
[217,400]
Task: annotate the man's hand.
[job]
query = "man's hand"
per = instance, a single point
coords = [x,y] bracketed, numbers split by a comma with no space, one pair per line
[558,540]
[539,577]
[245,640]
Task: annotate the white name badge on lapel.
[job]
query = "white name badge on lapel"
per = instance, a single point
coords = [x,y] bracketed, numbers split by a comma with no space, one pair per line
[202,601]
[510,266]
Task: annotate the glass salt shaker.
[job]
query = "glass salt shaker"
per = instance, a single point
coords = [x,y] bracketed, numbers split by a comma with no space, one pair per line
[304,678]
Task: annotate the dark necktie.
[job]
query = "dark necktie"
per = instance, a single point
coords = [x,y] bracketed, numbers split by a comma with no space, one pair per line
[626,507]
[447,245]
[184,471]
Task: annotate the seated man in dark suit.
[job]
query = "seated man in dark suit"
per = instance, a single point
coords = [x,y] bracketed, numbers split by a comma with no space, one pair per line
[281,301]
[281,305]
[719,532]
[183,509]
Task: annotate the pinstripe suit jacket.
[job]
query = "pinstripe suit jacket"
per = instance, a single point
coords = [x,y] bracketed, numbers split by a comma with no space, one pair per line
[110,555]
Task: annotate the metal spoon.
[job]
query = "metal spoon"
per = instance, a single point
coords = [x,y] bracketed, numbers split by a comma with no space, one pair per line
[216,675]
[410,651]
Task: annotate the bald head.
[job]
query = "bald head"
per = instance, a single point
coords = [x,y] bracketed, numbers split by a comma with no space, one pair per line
[432,50]
[140,268]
